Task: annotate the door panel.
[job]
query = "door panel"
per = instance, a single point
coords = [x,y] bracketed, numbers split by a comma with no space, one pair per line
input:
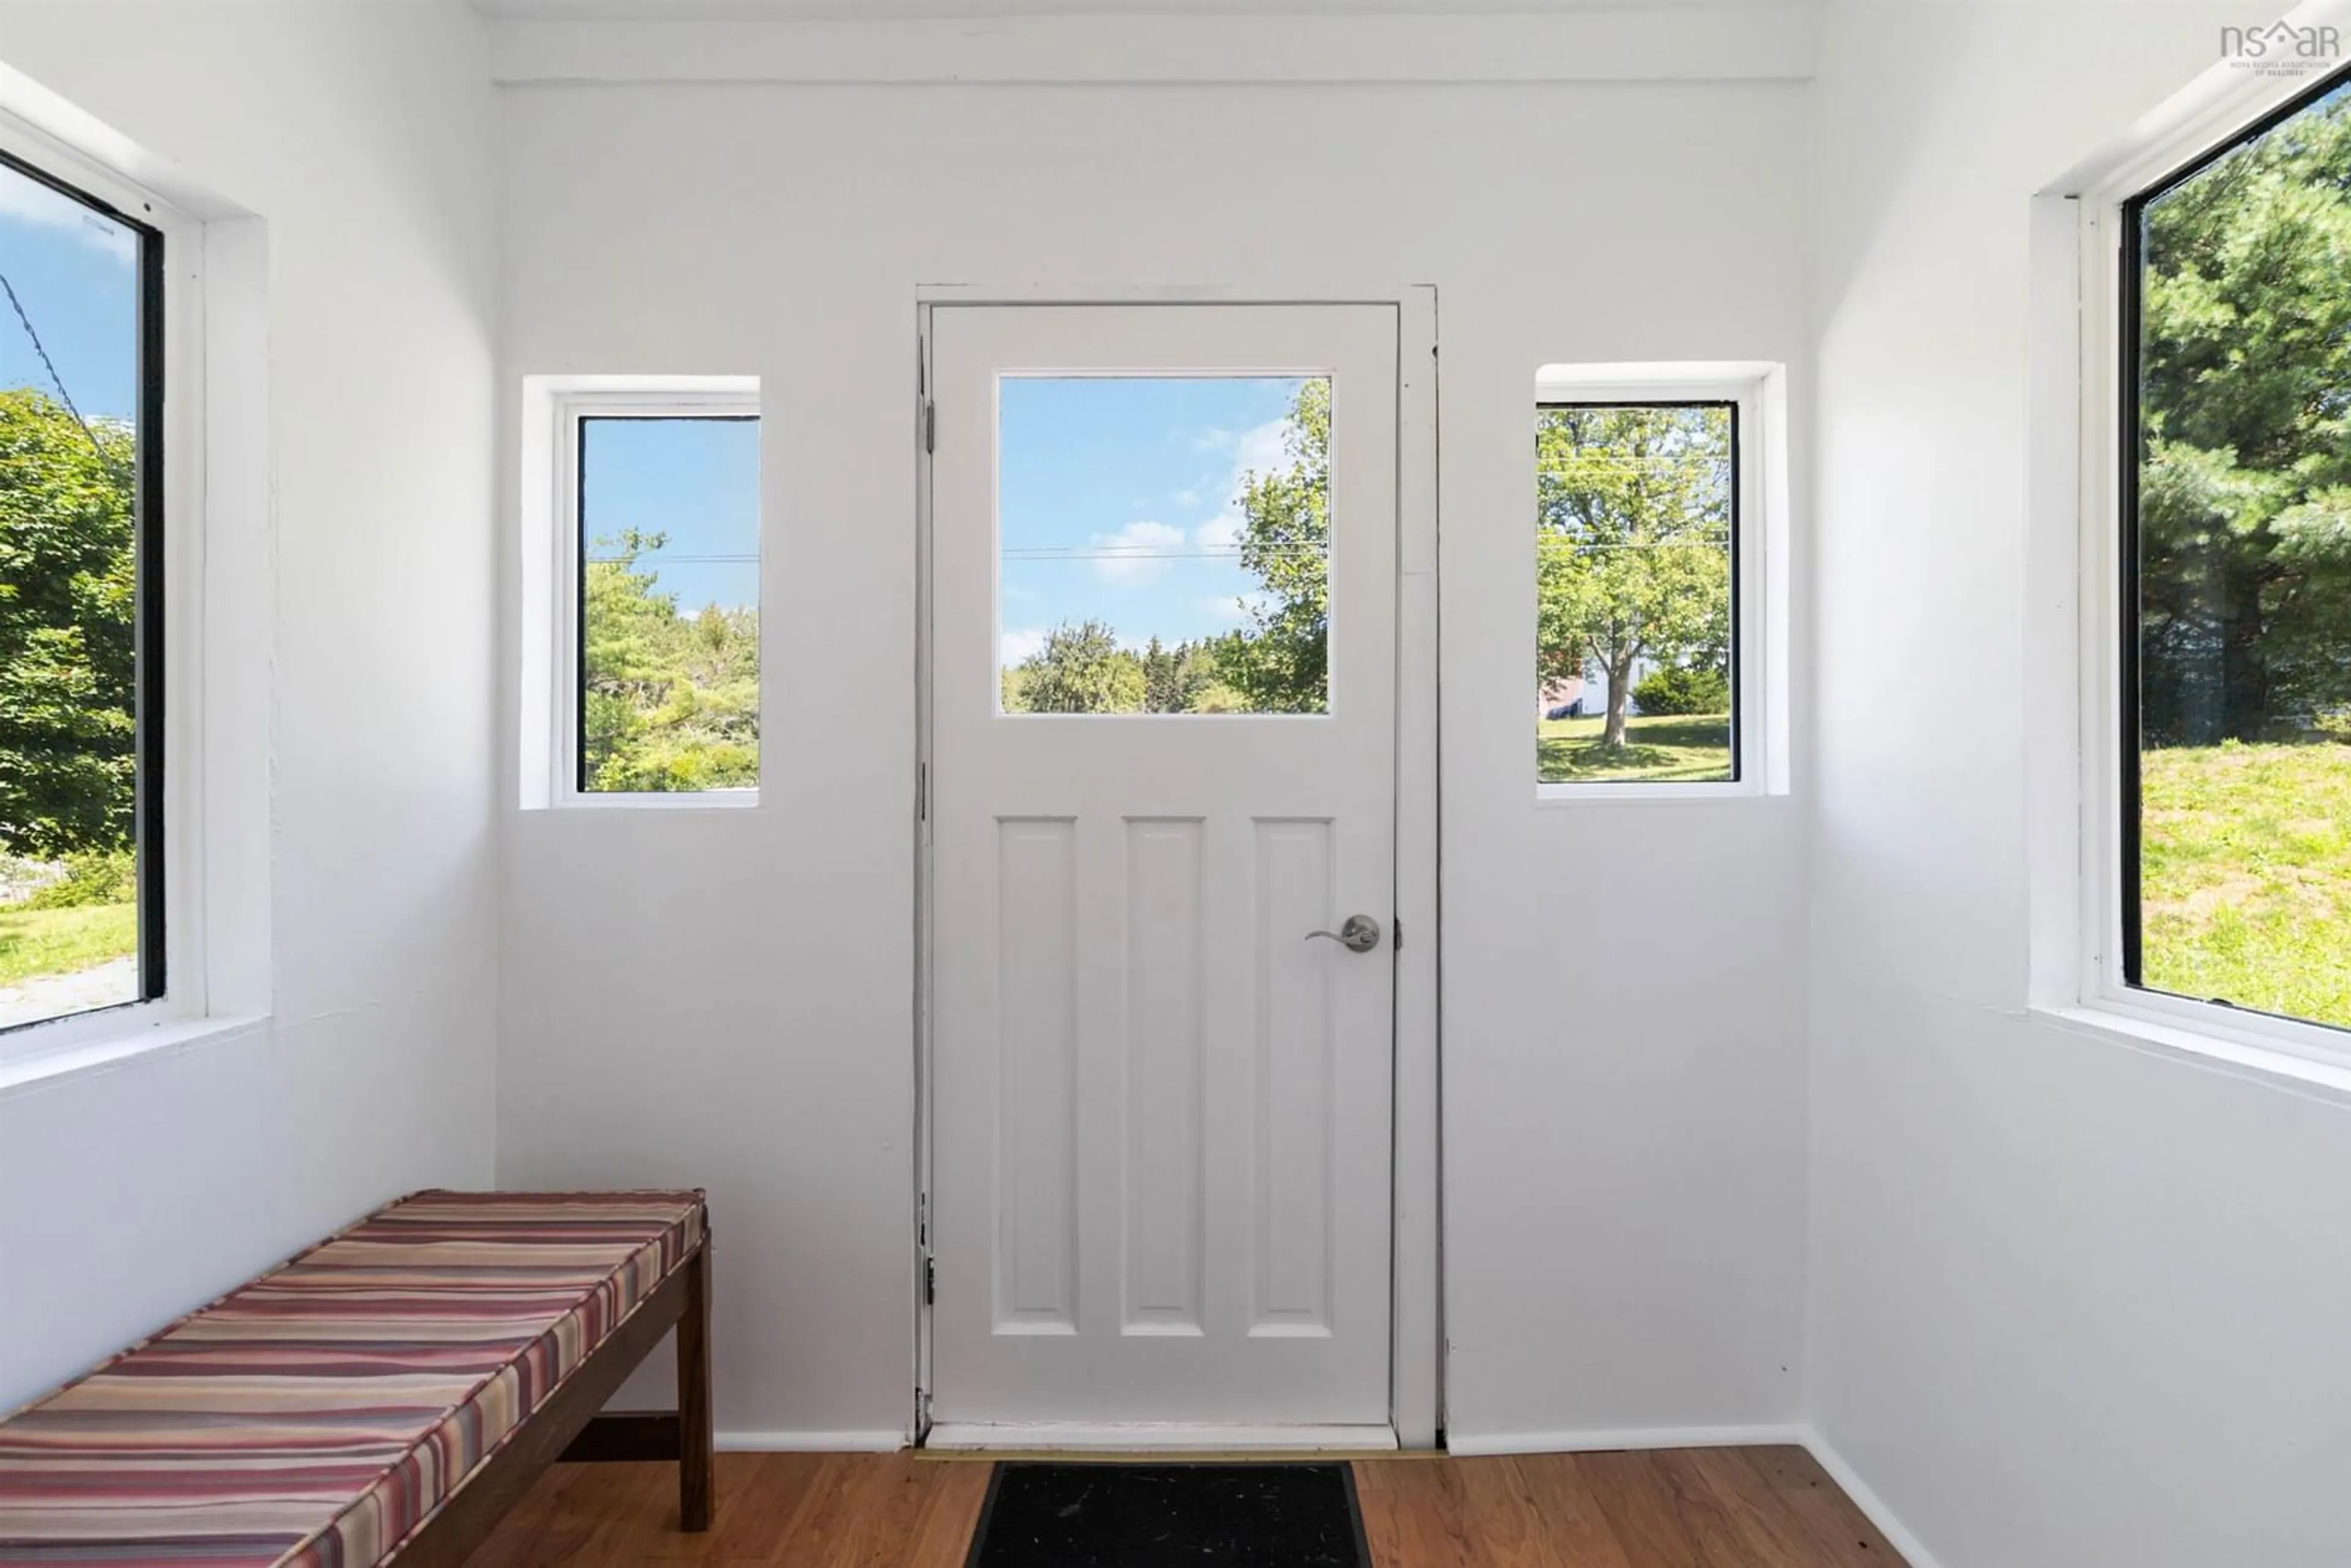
[1166,1063]
[1160,1163]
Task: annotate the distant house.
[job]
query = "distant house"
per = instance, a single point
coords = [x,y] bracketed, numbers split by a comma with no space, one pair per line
[1592,692]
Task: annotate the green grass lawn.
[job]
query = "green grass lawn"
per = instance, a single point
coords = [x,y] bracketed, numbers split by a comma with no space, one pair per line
[36,942]
[1668,749]
[2245,869]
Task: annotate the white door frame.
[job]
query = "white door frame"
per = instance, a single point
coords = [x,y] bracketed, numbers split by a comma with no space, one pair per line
[1416,1354]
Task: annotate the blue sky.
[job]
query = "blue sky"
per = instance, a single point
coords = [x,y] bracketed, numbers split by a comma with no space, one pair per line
[76,276]
[1114,501]
[695,480]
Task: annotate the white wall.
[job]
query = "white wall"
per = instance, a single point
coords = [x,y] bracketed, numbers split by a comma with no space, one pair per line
[2073,1303]
[723,998]
[2067,1303]
[360,133]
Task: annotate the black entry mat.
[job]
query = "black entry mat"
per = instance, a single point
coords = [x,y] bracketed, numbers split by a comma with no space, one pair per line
[1284,1515]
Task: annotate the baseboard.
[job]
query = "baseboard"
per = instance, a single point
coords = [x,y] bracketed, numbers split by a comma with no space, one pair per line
[1158,1435]
[1898,1535]
[1599,1439]
[879,1440]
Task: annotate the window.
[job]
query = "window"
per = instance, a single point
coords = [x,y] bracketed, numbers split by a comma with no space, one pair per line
[655,662]
[1639,658]
[81,601]
[1165,544]
[2234,688]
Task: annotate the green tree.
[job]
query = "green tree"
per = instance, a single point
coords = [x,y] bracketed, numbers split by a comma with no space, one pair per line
[1080,669]
[1633,543]
[672,702]
[1175,680]
[2245,412]
[68,726]
[1684,689]
[1281,662]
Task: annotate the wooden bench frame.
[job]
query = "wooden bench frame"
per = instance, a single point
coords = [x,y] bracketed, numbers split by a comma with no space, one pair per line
[569,1427]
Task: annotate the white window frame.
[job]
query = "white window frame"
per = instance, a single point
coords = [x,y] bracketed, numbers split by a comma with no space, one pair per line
[2076,614]
[554,407]
[218,590]
[1756,390]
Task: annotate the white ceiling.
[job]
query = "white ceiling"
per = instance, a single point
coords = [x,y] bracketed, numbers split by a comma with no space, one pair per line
[809,10]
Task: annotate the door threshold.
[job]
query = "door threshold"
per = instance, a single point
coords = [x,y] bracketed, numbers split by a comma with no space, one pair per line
[1193,1438]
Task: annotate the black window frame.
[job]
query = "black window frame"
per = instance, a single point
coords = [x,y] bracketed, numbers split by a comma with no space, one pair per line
[1738,681]
[2131,446]
[149,591]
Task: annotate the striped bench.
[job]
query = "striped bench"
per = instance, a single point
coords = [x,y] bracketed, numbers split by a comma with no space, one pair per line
[391,1391]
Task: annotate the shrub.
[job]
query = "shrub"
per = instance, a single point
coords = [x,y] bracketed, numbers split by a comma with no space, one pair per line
[1678,689]
[93,877]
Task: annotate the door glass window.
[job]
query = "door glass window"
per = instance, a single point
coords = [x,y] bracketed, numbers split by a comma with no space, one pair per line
[1163,544]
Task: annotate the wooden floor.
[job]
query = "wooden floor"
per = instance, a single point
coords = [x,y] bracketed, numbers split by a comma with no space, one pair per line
[1685,1508]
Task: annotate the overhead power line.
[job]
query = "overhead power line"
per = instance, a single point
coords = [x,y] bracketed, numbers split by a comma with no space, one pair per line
[56,380]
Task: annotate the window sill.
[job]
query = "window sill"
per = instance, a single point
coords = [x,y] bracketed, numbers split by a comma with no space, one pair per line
[85,1058]
[1651,794]
[2241,1055]
[681,800]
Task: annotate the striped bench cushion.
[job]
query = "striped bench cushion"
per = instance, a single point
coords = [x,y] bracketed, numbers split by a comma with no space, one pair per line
[319,1414]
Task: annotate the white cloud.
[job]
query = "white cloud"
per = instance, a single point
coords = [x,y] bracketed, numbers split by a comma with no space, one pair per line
[1260,451]
[1136,554]
[1218,536]
[29,201]
[1187,498]
[1234,607]
[1019,644]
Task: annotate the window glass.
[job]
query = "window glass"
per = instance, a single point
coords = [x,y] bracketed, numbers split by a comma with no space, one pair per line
[80,611]
[1636,529]
[1165,544]
[669,603]
[2237,631]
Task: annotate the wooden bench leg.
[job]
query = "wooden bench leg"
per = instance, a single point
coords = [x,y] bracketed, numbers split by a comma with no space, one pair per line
[695,1439]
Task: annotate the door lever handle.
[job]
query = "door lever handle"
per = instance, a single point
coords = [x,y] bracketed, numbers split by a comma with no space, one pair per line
[1357,934]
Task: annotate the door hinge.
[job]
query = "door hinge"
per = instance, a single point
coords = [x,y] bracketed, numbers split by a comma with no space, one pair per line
[930,1281]
[1397,928]
[930,426]
[922,791]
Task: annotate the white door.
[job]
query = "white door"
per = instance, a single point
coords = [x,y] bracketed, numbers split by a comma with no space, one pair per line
[1160,1166]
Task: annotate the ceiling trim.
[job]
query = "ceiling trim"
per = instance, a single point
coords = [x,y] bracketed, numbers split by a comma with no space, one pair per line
[1738,42]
